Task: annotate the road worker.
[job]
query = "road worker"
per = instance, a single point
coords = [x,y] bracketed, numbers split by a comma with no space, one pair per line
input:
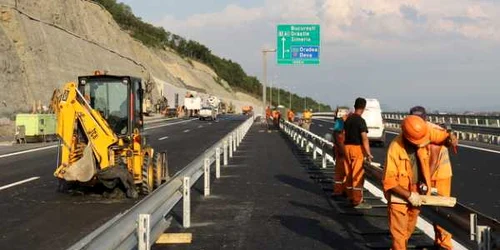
[407,174]
[276,118]
[339,152]
[290,115]
[307,115]
[357,147]
[268,116]
[441,174]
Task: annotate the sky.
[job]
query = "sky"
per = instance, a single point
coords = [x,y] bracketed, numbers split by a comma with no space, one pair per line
[444,55]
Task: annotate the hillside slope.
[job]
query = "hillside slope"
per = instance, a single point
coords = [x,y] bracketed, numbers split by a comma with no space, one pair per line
[45,43]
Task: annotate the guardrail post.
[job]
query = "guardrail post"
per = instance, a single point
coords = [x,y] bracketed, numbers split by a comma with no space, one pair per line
[302,142]
[234,141]
[206,168]
[498,122]
[186,202]
[323,162]
[480,234]
[477,122]
[217,163]
[143,229]
[487,122]
[231,146]
[225,152]
[458,120]
[239,137]
[314,152]
[307,146]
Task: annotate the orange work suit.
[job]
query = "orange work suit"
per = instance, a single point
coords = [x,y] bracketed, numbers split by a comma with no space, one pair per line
[355,173]
[441,174]
[398,172]
[341,171]
[339,177]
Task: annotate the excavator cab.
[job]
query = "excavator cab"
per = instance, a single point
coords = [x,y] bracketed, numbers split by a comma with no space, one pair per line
[100,125]
[117,98]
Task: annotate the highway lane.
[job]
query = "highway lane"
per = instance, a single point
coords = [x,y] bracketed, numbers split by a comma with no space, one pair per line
[36,216]
[476,176]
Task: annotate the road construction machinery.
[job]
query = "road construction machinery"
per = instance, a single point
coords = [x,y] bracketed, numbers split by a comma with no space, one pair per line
[100,126]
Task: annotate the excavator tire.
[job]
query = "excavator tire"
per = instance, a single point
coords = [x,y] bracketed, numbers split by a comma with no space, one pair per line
[158,169]
[147,175]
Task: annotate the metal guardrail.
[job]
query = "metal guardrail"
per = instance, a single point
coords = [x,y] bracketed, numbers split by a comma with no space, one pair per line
[472,120]
[484,236]
[141,225]
[469,128]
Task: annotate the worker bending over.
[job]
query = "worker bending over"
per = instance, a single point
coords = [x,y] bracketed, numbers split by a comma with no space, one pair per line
[356,148]
[407,175]
[441,173]
[339,177]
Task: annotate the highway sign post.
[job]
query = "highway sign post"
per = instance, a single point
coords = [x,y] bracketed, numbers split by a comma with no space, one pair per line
[298,44]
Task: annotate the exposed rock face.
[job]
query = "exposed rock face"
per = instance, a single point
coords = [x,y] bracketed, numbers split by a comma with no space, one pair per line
[45,43]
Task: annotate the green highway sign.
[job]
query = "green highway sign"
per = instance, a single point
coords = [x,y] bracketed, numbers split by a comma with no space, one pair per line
[298,44]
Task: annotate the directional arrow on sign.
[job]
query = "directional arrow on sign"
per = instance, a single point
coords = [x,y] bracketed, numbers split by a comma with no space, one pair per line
[283,46]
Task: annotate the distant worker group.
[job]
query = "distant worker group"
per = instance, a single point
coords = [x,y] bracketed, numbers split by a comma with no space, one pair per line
[417,164]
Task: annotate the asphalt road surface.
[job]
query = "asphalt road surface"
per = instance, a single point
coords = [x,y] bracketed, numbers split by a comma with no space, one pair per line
[36,216]
[476,175]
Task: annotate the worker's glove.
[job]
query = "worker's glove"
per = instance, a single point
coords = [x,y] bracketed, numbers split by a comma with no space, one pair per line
[415,199]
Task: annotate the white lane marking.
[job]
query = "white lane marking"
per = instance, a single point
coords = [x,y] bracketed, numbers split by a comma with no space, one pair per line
[320,125]
[201,126]
[185,131]
[423,224]
[209,123]
[170,124]
[478,148]
[20,182]
[27,151]
[463,145]
[53,146]
[162,138]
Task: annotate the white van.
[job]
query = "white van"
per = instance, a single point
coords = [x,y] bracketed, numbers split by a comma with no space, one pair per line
[374,121]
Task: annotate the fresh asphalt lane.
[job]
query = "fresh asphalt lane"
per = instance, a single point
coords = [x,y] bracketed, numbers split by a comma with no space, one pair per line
[476,176]
[36,216]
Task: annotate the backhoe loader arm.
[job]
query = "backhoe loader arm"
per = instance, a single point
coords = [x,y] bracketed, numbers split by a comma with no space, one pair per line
[73,108]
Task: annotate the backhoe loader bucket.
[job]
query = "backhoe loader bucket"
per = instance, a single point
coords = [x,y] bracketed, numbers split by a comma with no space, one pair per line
[82,170]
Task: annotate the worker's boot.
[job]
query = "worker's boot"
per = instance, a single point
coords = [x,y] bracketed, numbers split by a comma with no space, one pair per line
[363,205]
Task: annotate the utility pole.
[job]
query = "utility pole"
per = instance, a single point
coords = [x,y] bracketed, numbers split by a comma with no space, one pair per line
[290,102]
[279,90]
[271,94]
[264,72]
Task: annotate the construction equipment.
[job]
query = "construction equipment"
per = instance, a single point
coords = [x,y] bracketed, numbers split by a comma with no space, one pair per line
[247,110]
[100,124]
[429,200]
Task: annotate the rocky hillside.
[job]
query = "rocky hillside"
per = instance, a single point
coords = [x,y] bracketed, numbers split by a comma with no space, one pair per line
[45,43]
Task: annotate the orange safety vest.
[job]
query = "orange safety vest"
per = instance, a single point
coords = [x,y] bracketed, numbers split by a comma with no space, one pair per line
[398,170]
[291,115]
[275,114]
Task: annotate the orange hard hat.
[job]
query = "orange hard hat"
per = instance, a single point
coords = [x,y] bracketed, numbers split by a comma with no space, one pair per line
[415,130]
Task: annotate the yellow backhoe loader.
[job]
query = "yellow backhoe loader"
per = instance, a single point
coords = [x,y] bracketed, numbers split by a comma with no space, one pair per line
[100,126]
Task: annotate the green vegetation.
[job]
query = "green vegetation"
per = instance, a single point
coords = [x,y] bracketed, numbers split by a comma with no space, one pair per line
[298,102]
[157,37]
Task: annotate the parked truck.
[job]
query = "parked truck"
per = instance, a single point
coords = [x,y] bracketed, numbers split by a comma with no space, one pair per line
[192,104]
